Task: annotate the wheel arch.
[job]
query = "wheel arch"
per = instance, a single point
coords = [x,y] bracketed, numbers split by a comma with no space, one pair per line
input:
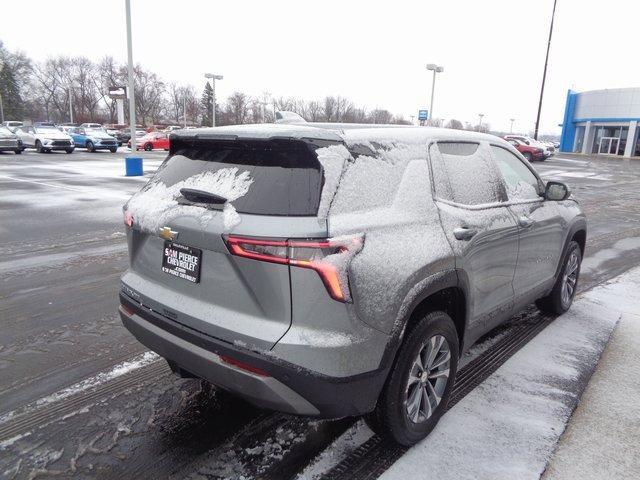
[441,291]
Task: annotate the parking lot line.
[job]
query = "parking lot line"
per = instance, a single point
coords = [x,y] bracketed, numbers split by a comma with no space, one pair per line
[42,183]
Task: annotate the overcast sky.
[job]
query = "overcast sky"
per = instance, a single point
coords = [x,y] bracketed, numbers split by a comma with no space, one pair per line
[373,53]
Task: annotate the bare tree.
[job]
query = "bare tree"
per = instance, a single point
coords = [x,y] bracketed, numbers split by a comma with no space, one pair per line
[454,124]
[237,108]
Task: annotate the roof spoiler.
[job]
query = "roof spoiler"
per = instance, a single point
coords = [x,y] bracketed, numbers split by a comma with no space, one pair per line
[289,118]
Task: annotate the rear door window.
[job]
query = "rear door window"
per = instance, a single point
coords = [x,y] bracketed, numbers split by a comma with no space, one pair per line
[464,173]
[286,175]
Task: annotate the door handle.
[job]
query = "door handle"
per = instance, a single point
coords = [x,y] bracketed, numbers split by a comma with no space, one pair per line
[525,222]
[464,233]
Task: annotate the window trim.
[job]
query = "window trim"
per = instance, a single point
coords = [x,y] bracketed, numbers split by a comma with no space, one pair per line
[541,183]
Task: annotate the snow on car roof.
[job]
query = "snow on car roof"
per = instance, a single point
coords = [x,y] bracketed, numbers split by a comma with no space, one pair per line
[259,131]
[338,132]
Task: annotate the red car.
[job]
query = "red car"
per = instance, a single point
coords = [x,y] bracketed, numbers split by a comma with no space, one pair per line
[529,152]
[152,141]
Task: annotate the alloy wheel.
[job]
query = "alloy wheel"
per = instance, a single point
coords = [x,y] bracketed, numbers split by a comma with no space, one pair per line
[570,278]
[428,379]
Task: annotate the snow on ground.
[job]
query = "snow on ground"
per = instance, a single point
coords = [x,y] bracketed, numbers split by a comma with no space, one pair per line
[340,449]
[508,427]
[602,438]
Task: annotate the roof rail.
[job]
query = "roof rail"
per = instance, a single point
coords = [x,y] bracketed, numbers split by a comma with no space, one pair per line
[292,118]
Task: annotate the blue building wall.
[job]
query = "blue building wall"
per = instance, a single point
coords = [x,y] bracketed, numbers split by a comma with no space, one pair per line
[568,124]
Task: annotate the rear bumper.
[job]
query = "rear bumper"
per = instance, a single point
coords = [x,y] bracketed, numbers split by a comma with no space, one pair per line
[282,386]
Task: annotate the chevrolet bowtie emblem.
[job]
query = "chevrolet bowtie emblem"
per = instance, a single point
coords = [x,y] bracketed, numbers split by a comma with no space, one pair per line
[167,233]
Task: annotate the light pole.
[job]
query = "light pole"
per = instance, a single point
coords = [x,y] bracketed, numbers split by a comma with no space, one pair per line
[511,120]
[213,78]
[132,96]
[480,116]
[544,73]
[184,109]
[70,105]
[436,69]
[1,110]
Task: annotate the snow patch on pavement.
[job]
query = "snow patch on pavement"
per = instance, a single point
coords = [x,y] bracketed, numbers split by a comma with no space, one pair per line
[508,426]
[118,370]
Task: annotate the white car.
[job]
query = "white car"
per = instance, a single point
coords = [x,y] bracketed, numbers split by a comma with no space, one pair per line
[92,126]
[11,124]
[45,138]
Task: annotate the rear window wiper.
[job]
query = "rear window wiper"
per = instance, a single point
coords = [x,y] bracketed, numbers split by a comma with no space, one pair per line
[200,196]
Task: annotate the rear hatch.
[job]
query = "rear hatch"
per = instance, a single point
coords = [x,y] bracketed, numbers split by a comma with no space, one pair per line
[273,189]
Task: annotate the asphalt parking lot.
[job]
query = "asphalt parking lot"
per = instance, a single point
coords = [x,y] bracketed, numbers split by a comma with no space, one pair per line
[62,253]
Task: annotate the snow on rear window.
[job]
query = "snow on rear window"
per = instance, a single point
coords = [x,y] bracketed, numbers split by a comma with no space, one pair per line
[466,179]
[332,159]
[156,204]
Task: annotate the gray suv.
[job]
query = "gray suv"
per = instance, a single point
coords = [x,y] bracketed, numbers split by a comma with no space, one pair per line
[333,271]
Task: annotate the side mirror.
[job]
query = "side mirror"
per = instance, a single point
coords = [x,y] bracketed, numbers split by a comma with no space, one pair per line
[556,191]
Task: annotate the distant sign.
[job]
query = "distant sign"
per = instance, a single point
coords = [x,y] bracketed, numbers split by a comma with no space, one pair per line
[423,114]
[118,92]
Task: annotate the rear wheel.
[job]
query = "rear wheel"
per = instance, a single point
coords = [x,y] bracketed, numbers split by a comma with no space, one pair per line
[148,147]
[419,385]
[561,297]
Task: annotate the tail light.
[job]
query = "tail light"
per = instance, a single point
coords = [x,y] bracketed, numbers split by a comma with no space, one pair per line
[328,257]
[128,219]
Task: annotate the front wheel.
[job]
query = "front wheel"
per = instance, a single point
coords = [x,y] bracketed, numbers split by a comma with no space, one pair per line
[148,147]
[528,156]
[113,150]
[69,150]
[18,151]
[561,297]
[39,148]
[420,382]
[90,148]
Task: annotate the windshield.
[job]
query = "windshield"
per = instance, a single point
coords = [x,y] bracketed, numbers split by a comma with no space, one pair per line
[47,130]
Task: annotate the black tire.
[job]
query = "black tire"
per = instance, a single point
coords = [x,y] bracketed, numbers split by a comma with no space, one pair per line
[556,302]
[148,147]
[39,148]
[89,146]
[69,150]
[391,417]
[18,151]
[113,150]
[528,156]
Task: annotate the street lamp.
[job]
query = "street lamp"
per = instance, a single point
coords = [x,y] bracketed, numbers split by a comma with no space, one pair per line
[436,69]
[480,116]
[132,95]
[213,78]
[511,120]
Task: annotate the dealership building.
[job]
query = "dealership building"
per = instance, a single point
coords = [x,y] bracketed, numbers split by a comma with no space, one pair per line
[603,122]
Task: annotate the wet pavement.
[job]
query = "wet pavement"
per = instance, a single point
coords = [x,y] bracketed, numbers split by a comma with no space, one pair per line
[61,256]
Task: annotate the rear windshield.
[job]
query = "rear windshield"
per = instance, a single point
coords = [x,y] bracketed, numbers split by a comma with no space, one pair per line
[287,176]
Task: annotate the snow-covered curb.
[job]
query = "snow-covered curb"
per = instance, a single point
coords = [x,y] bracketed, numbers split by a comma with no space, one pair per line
[508,427]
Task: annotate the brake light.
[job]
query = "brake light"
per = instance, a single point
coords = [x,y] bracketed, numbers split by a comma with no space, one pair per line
[328,257]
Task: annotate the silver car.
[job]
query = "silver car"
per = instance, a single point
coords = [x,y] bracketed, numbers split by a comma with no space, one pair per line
[9,141]
[342,271]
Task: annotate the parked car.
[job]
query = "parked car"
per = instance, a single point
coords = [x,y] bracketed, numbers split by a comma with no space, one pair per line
[152,141]
[334,274]
[9,141]
[45,138]
[93,139]
[529,152]
[533,143]
[92,125]
[11,124]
